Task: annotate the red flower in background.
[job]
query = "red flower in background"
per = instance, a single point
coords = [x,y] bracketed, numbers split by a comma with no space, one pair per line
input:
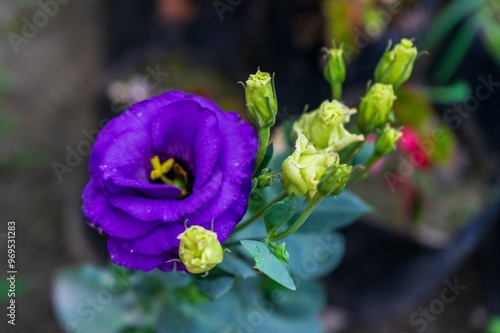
[410,144]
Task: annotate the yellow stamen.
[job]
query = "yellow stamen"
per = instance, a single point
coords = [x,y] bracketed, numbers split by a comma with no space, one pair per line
[161,169]
[180,175]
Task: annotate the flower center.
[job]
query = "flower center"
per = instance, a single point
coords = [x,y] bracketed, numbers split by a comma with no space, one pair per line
[172,172]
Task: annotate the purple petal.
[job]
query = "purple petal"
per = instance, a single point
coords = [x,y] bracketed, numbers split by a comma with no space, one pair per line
[183,135]
[132,260]
[236,160]
[133,187]
[124,148]
[161,239]
[148,209]
[173,265]
[112,221]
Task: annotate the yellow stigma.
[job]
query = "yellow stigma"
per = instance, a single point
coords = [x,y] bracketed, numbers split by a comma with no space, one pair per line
[171,173]
[161,169]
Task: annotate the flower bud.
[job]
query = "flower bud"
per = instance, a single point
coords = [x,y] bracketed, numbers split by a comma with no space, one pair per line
[199,250]
[335,179]
[375,107]
[261,101]
[303,169]
[386,141]
[395,66]
[280,252]
[334,71]
[325,127]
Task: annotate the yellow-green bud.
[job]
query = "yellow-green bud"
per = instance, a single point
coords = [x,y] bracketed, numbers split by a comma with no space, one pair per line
[303,169]
[199,250]
[375,107]
[335,179]
[334,71]
[280,252]
[395,66]
[325,127]
[261,101]
[386,141]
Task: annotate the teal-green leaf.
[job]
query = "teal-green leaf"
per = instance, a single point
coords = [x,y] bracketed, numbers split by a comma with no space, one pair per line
[268,264]
[71,293]
[208,316]
[234,265]
[336,212]
[216,287]
[364,154]
[279,213]
[313,255]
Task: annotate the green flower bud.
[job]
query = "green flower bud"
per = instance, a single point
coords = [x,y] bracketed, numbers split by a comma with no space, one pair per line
[303,169]
[261,101]
[325,127]
[334,71]
[199,250]
[280,252]
[335,179]
[395,66]
[386,141]
[375,107]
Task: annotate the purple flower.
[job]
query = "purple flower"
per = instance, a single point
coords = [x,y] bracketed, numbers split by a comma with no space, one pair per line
[208,154]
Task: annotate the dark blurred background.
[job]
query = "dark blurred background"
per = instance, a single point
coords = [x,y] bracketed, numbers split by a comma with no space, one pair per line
[68,66]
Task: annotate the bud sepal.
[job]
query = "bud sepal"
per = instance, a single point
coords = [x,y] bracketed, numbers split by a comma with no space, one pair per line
[395,66]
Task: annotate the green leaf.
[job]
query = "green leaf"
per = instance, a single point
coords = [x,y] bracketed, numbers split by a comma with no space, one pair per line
[267,263]
[455,52]
[336,212]
[364,154]
[307,301]
[216,287]
[172,279]
[73,288]
[445,23]
[236,266]
[281,212]
[209,316]
[313,256]
[453,93]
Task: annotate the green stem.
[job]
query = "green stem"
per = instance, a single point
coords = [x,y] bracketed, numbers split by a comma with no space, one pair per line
[351,151]
[263,134]
[300,220]
[259,213]
[337,91]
